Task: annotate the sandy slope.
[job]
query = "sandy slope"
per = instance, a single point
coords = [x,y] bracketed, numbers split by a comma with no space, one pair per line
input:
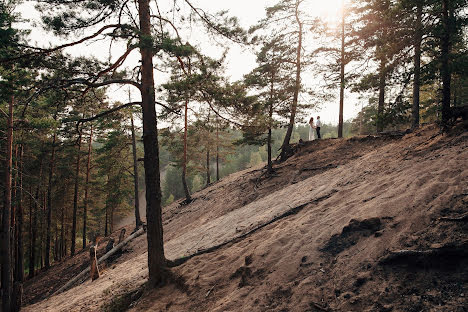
[292,264]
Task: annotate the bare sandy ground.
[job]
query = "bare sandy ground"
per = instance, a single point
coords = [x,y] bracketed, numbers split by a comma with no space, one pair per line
[315,258]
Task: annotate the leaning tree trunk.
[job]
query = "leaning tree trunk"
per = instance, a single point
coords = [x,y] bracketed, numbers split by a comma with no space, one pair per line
[5,244]
[135,175]
[417,65]
[285,148]
[156,258]
[445,70]
[342,80]
[88,170]
[75,198]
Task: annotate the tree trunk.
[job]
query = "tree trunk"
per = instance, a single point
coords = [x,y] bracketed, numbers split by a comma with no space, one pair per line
[156,258]
[19,223]
[380,107]
[270,124]
[285,148]
[88,170]
[445,70]
[188,199]
[135,175]
[111,220]
[208,177]
[106,232]
[43,232]
[5,246]
[94,269]
[13,225]
[342,77]
[33,225]
[75,198]
[49,199]
[31,242]
[217,150]
[417,65]
[62,232]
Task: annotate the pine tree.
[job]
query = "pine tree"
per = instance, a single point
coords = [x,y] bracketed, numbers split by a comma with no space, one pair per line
[273,85]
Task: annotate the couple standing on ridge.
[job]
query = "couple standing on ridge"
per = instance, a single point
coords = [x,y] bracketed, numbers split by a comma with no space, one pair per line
[314,128]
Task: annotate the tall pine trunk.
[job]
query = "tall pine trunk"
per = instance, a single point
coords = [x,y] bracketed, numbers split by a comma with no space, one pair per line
[417,65]
[43,232]
[13,225]
[49,199]
[342,76]
[270,125]
[217,150]
[5,243]
[285,148]
[445,70]
[188,198]
[34,210]
[156,258]
[208,177]
[88,170]
[106,231]
[135,175]
[19,219]
[75,198]
[62,231]
[380,107]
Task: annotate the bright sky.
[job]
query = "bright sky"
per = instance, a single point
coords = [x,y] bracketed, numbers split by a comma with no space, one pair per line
[239,61]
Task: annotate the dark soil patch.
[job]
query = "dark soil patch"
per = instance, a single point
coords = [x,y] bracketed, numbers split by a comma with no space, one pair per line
[351,234]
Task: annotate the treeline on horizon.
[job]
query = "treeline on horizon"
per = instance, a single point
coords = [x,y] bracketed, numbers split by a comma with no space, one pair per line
[73,160]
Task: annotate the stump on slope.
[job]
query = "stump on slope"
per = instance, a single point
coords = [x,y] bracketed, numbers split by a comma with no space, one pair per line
[94,269]
[122,235]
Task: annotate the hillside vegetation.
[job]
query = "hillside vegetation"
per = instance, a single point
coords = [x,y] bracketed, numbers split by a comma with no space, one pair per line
[374,223]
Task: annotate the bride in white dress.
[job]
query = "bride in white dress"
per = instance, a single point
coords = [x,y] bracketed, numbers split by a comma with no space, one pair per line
[311,129]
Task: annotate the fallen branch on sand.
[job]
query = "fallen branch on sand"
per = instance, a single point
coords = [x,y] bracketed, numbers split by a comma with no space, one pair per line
[463,218]
[329,166]
[438,255]
[100,260]
[319,307]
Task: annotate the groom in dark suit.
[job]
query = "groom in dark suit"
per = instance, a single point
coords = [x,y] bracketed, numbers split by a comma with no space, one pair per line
[317,127]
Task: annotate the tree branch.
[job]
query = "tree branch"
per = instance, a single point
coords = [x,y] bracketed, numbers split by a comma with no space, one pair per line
[48,51]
